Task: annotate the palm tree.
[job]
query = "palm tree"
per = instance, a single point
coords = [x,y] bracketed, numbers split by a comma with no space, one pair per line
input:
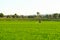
[38,16]
[15,16]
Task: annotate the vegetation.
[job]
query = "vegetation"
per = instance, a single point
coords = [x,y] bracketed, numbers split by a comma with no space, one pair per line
[55,16]
[1,15]
[15,27]
[29,30]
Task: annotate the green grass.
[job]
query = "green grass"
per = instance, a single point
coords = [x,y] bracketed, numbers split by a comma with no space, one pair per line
[29,30]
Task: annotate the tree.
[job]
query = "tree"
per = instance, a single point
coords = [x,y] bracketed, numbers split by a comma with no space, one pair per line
[59,15]
[56,15]
[15,16]
[8,16]
[30,16]
[1,15]
[47,16]
[38,16]
[50,16]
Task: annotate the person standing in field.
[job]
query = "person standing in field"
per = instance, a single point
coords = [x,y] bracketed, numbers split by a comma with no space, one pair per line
[38,17]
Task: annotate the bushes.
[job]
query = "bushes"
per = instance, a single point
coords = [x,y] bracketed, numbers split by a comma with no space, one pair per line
[26,19]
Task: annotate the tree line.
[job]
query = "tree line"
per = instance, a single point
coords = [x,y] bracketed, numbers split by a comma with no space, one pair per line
[47,16]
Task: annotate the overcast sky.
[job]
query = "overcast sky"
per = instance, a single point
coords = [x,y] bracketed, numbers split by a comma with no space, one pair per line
[29,7]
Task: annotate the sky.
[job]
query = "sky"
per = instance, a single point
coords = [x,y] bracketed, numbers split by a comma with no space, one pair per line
[29,7]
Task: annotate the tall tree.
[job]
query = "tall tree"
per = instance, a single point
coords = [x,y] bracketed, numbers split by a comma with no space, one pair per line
[15,16]
[1,15]
[38,16]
